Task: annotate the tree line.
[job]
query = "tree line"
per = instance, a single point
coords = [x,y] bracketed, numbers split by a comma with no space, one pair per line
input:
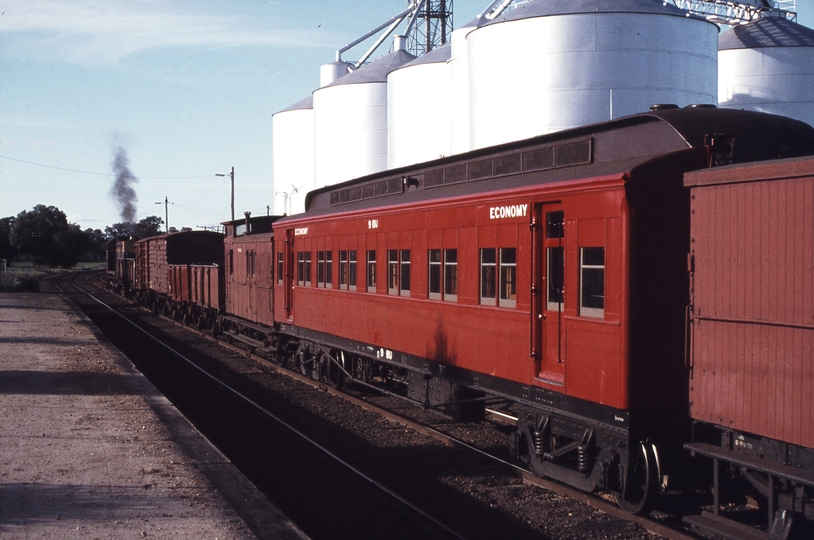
[44,237]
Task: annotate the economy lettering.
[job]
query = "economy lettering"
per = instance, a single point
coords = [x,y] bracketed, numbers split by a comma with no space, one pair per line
[511,211]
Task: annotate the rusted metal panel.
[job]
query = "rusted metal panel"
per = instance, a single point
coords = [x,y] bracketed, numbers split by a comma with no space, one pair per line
[753,299]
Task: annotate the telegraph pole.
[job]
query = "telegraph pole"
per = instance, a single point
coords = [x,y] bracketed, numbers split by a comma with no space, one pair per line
[166,204]
[232,176]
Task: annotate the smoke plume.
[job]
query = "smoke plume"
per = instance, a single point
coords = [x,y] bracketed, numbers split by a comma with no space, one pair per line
[122,189]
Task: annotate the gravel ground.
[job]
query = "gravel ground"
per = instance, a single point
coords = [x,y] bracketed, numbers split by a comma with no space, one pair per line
[476,498]
[81,452]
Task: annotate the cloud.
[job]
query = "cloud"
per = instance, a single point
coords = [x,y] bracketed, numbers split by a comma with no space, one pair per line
[104,31]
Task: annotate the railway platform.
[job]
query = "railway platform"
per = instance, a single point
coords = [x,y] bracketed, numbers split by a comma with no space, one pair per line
[90,449]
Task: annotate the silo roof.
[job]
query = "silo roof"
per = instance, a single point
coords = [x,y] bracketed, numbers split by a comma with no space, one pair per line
[547,8]
[376,71]
[767,32]
[436,56]
[307,103]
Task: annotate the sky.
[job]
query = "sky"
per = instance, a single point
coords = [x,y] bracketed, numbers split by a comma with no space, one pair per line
[176,91]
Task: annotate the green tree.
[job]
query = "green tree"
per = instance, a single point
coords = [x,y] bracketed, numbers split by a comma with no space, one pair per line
[149,226]
[96,244]
[7,251]
[45,234]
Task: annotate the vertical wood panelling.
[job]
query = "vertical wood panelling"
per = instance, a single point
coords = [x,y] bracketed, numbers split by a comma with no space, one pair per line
[753,337]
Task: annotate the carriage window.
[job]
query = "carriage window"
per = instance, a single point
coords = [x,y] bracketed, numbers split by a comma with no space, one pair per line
[451,275]
[300,268]
[435,274]
[250,263]
[592,281]
[343,270]
[555,260]
[320,268]
[554,224]
[398,272]
[487,276]
[371,270]
[280,268]
[555,270]
[324,268]
[392,271]
[404,272]
[231,262]
[508,277]
[352,270]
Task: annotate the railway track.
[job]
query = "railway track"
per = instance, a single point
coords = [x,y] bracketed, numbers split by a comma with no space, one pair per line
[563,512]
[311,462]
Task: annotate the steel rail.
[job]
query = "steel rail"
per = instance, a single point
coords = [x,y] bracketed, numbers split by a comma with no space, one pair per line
[291,429]
[525,475]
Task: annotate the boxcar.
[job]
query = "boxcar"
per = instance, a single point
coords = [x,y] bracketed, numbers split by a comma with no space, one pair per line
[120,263]
[551,272]
[752,325]
[155,256]
[249,277]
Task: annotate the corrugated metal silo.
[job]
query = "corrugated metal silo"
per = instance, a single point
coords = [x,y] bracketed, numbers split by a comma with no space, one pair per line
[350,122]
[418,110]
[550,65]
[768,65]
[293,156]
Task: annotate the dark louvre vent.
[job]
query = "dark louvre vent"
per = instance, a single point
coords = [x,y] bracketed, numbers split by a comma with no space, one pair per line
[455,174]
[434,178]
[565,155]
[366,191]
[507,164]
[538,159]
[480,169]
[573,154]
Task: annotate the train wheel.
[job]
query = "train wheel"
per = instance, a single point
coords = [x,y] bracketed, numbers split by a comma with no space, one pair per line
[337,376]
[643,484]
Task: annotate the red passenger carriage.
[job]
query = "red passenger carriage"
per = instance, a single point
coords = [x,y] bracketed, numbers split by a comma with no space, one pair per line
[550,272]
[553,274]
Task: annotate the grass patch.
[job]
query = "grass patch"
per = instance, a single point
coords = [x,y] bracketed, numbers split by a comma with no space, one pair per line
[25,276]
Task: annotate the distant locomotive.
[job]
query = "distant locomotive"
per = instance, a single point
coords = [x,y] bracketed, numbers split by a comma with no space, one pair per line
[553,273]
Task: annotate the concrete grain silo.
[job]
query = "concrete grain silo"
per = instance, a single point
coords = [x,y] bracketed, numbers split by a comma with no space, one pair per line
[293,156]
[549,65]
[418,110]
[350,121]
[768,65]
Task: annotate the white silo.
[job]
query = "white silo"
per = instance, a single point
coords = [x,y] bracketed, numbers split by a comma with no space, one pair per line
[418,110]
[293,156]
[350,121]
[550,65]
[768,65]
[459,89]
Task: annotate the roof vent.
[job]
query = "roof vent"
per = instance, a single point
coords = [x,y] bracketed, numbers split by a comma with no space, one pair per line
[663,106]
[701,106]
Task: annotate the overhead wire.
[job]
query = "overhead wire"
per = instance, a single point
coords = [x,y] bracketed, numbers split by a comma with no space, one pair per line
[102,174]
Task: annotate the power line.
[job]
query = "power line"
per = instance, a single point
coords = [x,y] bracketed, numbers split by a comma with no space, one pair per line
[102,174]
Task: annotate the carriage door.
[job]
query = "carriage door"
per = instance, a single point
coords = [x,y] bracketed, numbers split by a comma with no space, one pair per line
[288,275]
[548,292]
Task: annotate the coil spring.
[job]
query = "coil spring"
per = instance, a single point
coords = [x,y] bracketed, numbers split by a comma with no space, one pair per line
[584,458]
[541,443]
